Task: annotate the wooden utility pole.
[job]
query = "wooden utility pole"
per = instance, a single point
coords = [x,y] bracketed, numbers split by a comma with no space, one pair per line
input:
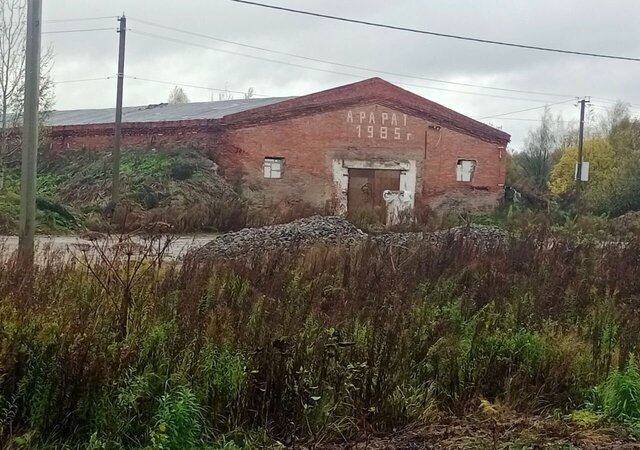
[115,176]
[30,133]
[583,103]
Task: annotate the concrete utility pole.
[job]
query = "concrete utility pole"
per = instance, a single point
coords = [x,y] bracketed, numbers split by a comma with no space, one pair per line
[30,133]
[115,176]
[583,103]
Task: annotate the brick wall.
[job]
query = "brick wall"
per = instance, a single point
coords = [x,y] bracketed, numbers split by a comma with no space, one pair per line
[200,134]
[309,144]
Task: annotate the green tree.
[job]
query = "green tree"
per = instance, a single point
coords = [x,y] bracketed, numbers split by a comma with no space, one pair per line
[625,139]
[614,179]
[603,173]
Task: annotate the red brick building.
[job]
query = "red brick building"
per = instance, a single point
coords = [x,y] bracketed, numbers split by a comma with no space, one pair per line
[357,147]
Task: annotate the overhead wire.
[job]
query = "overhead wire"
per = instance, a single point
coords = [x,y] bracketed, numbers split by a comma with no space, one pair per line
[438,34]
[82,80]
[635,111]
[350,66]
[613,102]
[535,120]
[522,110]
[79,31]
[208,88]
[79,19]
[290,64]
[502,116]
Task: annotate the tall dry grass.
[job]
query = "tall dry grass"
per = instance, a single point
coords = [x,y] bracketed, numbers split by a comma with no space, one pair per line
[305,346]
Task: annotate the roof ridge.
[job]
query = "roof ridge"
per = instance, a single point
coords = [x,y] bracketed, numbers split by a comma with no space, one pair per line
[383,91]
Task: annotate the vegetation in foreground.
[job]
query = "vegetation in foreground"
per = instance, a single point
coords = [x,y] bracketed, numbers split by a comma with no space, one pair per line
[132,352]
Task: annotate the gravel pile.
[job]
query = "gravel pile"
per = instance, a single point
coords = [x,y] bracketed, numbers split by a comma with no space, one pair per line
[297,234]
[486,235]
[406,239]
[480,232]
[333,230]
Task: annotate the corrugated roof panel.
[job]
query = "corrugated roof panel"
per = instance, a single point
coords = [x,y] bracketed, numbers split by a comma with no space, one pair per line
[160,113]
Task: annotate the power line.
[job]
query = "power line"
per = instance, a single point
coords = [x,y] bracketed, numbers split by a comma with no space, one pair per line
[613,102]
[171,83]
[433,33]
[634,110]
[155,24]
[79,31]
[531,109]
[79,19]
[290,64]
[83,80]
[349,66]
[522,110]
[534,120]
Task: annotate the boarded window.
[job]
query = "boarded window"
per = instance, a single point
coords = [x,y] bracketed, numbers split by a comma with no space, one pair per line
[465,169]
[273,167]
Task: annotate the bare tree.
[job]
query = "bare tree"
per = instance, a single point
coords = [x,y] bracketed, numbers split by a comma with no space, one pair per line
[177,95]
[12,60]
[614,116]
[13,37]
[225,95]
[248,94]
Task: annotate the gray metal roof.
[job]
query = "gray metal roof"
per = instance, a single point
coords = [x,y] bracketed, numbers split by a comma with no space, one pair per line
[160,113]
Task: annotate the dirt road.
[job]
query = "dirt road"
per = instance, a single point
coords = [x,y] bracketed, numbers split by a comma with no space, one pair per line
[72,244]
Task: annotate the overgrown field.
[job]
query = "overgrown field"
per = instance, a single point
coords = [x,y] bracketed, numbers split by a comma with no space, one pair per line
[178,186]
[136,353]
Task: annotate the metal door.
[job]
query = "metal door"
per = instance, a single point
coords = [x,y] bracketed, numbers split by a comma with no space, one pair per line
[364,196]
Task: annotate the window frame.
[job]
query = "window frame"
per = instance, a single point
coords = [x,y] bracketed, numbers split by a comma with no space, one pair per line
[460,174]
[273,167]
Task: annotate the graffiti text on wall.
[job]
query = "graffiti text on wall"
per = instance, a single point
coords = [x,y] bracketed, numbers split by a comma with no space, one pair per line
[381,125]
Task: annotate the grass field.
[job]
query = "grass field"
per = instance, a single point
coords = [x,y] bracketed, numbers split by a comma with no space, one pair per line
[322,348]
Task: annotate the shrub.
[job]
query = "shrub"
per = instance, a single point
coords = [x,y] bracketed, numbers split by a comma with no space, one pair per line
[182,171]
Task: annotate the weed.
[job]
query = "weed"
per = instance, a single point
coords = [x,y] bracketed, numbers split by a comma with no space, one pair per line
[621,393]
[178,422]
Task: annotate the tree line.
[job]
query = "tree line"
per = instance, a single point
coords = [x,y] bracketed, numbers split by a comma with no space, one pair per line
[544,170]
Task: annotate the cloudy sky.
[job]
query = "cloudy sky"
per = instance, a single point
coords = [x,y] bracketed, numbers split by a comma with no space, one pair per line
[176,58]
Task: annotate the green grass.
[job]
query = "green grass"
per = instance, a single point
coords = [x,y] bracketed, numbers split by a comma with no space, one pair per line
[148,164]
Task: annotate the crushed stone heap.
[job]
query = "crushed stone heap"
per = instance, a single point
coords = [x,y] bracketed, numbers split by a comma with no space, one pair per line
[332,230]
[299,233]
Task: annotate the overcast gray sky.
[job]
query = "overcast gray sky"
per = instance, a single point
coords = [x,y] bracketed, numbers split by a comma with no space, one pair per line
[583,25]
